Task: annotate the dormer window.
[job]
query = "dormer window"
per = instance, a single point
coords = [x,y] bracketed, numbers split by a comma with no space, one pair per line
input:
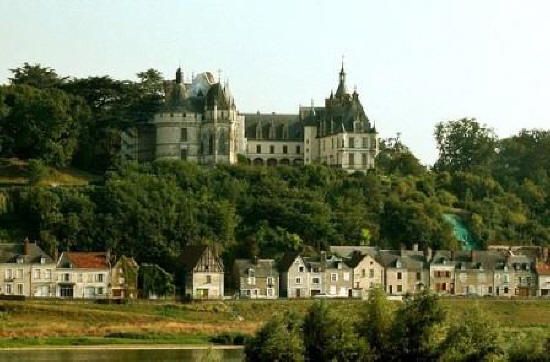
[42,260]
[20,260]
[398,264]
[506,268]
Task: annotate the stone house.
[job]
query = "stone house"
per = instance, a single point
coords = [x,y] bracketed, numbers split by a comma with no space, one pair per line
[475,272]
[82,274]
[442,271]
[405,271]
[27,270]
[368,273]
[503,279]
[337,276]
[203,272]
[295,276]
[124,278]
[524,281]
[543,279]
[256,278]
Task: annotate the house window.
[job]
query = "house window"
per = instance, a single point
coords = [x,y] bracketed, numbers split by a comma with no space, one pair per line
[36,273]
[315,280]
[399,276]
[346,277]
[363,273]
[364,159]
[298,149]
[48,273]
[505,290]
[418,276]
[80,277]
[183,154]
[333,277]
[9,274]
[183,137]
[301,269]
[351,142]
[271,149]
[399,288]
[66,277]
[252,280]
[269,280]
[298,280]
[351,159]
[258,148]
[333,289]
[447,274]
[66,291]
[100,290]
[285,149]
[208,279]
[20,289]
[99,278]
[365,145]
[269,292]
[19,273]
[42,260]
[371,273]
[490,290]
[8,289]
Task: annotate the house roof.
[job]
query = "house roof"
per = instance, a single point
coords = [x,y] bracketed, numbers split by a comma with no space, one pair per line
[409,259]
[84,260]
[262,267]
[191,255]
[9,252]
[346,251]
[287,260]
[543,268]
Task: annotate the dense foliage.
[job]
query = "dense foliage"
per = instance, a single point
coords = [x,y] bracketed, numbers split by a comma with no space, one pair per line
[417,330]
[500,188]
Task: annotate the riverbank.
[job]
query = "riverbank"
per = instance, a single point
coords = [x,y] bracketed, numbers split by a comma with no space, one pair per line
[39,323]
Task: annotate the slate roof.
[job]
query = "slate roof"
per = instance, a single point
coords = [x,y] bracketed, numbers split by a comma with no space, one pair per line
[278,122]
[262,267]
[287,260]
[84,260]
[347,250]
[191,255]
[409,259]
[10,252]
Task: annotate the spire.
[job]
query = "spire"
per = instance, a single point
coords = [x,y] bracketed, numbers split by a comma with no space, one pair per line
[179,76]
[312,109]
[342,82]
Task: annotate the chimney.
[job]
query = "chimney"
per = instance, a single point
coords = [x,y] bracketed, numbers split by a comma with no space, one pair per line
[428,254]
[255,260]
[472,255]
[545,254]
[26,246]
[415,247]
[452,255]
[56,255]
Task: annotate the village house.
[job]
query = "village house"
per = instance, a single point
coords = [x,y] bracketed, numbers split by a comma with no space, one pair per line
[442,271]
[337,276]
[295,277]
[475,272]
[256,278]
[543,275]
[27,270]
[203,270]
[405,271]
[124,278]
[82,274]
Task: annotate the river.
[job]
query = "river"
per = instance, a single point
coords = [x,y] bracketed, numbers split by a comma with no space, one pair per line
[116,354]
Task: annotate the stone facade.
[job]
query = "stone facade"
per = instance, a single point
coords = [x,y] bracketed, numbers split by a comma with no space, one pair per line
[200,123]
[83,275]
[256,278]
[203,272]
[26,270]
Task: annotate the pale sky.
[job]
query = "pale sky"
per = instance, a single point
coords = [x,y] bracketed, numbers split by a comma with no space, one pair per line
[414,63]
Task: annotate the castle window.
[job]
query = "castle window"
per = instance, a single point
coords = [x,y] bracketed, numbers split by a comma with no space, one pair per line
[351,142]
[211,144]
[271,149]
[183,137]
[285,149]
[258,148]
[351,159]
[364,159]
[183,154]
[365,145]
[298,149]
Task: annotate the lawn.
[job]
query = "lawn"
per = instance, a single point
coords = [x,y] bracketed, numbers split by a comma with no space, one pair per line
[36,323]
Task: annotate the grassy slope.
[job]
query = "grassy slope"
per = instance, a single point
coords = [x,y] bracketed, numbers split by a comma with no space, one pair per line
[13,173]
[68,323]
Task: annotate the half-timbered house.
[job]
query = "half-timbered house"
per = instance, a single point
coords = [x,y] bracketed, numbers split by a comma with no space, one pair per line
[202,272]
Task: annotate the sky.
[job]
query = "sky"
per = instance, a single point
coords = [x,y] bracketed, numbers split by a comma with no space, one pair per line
[414,63]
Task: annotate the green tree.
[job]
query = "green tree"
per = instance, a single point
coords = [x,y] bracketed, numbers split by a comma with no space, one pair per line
[36,76]
[280,339]
[328,337]
[475,337]
[464,145]
[375,324]
[415,322]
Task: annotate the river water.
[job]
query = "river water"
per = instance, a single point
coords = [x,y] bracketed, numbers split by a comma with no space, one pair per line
[119,355]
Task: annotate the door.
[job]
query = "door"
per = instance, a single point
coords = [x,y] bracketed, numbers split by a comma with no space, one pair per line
[298,293]
[89,292]
[202,293]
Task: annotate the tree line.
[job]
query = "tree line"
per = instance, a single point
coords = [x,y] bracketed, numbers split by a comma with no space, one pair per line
[500,187]
[417,330]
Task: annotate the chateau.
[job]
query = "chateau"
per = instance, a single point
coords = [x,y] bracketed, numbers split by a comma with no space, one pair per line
[199,122]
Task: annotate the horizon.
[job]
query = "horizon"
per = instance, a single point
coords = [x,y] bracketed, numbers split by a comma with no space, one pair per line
[414,65]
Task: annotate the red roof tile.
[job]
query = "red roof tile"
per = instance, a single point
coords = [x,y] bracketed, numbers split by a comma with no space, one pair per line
[88,259]
[543,268]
